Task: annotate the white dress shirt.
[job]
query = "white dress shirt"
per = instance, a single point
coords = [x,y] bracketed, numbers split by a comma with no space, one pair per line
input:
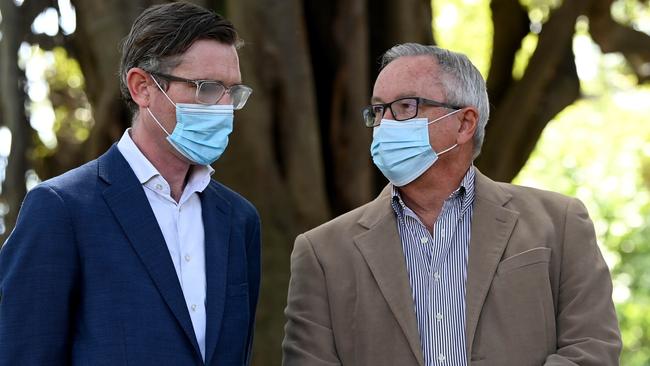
[181,224]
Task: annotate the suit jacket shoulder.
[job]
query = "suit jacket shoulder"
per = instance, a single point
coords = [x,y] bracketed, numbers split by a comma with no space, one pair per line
[338,233]
[238,202]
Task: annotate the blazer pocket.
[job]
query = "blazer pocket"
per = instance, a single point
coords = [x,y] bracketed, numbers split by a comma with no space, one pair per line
[523,259]
[238,289]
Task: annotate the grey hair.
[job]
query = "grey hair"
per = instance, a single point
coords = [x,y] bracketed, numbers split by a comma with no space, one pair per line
[462,83]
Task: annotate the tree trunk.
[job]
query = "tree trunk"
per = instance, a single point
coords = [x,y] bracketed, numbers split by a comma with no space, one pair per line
[12,84]
[274,157]
[614,37]
[101,26]
[549,84]
[339,53]
[299,150]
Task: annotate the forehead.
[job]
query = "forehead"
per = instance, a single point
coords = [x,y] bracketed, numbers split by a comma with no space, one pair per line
[408,76]
[209,59]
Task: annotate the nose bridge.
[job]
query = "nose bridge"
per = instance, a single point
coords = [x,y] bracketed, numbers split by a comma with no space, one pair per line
[226,97]
[388,111]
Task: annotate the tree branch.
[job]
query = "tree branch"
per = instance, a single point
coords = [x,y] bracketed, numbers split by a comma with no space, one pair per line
[13,111]
[612,36]
[511,25]
[521,115]
[46,42]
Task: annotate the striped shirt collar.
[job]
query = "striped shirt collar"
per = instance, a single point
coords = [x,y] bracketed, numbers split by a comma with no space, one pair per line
[465,191]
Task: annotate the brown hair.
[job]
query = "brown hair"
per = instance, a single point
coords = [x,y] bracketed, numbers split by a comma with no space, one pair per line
[162,33]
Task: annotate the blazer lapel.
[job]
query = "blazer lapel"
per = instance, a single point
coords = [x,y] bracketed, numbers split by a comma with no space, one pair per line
[128,202]
[216,224]
[381,248]
[492,225]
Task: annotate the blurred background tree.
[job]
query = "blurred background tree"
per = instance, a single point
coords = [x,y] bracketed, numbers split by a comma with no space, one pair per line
[299,150]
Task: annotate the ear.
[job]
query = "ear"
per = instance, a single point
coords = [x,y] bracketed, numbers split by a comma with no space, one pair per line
[137,80]
[468,124]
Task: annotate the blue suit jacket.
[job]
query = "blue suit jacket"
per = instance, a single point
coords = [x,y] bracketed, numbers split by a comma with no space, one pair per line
[86,277]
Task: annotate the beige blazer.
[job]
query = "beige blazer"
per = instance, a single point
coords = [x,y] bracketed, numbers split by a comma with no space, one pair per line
[538,290]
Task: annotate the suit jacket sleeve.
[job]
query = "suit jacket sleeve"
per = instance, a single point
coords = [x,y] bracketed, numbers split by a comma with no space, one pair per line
[587,328]
[308,336]
[253,258]
[38,273]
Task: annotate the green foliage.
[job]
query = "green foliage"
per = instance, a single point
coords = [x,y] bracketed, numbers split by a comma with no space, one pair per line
[465,26]
[528,45]
[71,108]
[540,10]
[632,12]
[59,110]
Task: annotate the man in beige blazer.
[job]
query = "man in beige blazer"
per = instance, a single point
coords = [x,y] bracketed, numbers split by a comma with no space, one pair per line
[445,266]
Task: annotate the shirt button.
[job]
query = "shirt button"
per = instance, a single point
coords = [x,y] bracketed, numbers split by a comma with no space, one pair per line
[424,240]
[159,186]
[442,233]
[441,358]
[193,307]
[436,276]
[187,258]
[438,316]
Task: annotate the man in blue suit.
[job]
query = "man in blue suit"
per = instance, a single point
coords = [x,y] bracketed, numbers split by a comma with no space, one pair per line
[138,257]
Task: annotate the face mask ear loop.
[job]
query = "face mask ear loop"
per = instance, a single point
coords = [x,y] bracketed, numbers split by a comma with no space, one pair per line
[447,149]
[438,119]
[446,115]
[161,89]
[156,119]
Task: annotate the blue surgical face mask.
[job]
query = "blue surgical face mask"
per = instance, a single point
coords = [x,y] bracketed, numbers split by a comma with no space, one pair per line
[401,149]
[201,132]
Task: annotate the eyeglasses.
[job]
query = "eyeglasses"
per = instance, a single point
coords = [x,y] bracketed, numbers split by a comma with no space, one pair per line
[211,91]
[401,109]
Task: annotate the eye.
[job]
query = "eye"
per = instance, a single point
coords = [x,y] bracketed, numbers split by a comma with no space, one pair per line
[377,109]
[405,106]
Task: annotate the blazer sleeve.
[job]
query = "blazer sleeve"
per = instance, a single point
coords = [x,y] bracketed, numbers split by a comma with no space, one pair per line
[38,273]
[308,339]
[587,328]
[253,249]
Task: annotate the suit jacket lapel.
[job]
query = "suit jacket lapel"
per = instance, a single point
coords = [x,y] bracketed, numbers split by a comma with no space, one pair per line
[128,202]
[492,225]
[381,248]
[216,224]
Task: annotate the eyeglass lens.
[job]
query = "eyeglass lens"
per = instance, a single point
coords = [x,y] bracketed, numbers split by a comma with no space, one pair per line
[401,109]
[212,92]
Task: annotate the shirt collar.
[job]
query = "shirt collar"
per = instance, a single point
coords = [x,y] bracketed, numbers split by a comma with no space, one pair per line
[465,191]
[145,171]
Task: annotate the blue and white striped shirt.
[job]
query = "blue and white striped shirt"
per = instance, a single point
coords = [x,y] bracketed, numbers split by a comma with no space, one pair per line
[437,268]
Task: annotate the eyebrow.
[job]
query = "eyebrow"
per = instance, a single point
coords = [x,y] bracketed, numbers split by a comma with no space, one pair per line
[409,94]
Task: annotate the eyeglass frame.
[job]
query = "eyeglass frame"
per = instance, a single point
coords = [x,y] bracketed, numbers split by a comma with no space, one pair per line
[389,105]
[198,82]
